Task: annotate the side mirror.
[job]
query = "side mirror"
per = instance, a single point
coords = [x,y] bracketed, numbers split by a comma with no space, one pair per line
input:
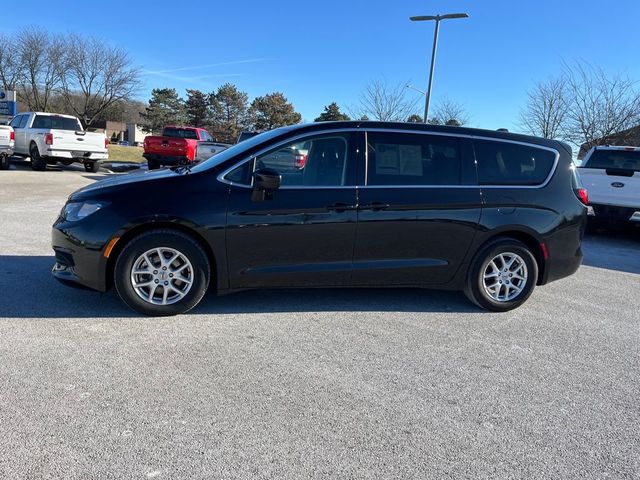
[266,179]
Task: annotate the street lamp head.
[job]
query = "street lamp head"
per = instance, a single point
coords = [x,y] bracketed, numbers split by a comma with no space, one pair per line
[423,18]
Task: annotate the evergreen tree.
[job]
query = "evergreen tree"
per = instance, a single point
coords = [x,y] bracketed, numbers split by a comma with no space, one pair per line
[165,108]
[271,111]
[332,113]
[230,116]
[197,108]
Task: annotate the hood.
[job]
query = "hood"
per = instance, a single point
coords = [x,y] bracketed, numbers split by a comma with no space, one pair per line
[101,186]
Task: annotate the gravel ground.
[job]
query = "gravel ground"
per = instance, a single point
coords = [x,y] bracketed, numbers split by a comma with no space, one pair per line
[321,384]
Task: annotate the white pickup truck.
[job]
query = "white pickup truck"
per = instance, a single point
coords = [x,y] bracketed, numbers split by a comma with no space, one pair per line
[48,138]
[611,175]
[6,146]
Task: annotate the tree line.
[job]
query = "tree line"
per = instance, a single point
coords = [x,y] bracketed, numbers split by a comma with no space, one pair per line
[225,112]
[584,106]
[67,73]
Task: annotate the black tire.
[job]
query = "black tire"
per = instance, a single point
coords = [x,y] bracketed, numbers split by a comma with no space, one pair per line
[153,164]
[475,289]
[92,167]
[170,239]
[5,162]
[38,163]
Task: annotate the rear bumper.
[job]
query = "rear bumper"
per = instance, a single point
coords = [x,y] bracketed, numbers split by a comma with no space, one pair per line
[166,160]
[88,156]
[614,213]
[6,150]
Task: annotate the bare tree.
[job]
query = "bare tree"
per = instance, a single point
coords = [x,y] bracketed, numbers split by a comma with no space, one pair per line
[547,109]
[448,112]
[599,105]
[384,102]
[96,77]
[42,57]
[11,70]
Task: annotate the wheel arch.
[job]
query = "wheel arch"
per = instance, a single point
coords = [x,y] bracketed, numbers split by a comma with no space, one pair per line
[530,239]
[139,229]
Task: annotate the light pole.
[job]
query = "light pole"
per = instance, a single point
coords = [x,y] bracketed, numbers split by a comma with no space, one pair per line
[438,19]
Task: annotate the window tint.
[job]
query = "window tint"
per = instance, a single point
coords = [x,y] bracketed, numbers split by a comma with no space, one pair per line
[51,122]
[240,175]
[502,163]
[23,121]
[318,161]
[15,123]
[180,133]
[612,159]
[413,159]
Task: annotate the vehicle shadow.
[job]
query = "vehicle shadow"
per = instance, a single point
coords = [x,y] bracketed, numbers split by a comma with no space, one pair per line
[613,249]
[31,292]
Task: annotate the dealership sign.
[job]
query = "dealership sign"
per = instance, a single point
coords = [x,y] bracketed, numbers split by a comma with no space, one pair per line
[8,103]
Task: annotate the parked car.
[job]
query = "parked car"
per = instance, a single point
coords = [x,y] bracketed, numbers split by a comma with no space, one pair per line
[7,141]
[180,146]
[246,135]
[612,177]
[48,138]
[377,204]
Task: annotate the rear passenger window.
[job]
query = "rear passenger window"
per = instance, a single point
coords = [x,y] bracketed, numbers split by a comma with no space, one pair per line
[502,163]
[413,159]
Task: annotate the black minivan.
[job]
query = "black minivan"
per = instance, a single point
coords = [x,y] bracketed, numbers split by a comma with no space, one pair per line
[334,204]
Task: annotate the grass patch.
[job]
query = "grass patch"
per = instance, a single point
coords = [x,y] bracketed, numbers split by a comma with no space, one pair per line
[120,153]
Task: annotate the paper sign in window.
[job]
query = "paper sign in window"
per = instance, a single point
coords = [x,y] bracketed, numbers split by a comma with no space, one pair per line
[411,160]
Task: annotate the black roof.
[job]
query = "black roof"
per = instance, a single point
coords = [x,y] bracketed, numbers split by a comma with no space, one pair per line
[310,127]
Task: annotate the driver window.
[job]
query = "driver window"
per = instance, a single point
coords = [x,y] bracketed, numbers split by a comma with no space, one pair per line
[317,161]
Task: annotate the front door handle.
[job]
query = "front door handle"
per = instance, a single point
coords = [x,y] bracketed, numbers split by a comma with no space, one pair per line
[340,207]
[375,206]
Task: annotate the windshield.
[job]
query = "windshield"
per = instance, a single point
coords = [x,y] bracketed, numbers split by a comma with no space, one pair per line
[614,159]
[238,148]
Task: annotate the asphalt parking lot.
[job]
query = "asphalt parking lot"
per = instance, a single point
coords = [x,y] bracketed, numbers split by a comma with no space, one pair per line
[320,384]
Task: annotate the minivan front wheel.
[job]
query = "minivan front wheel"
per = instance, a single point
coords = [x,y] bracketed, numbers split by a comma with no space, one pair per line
[503,275]
[162,272]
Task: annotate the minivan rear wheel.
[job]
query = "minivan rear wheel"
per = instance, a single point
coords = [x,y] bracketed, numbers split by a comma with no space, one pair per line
[161,273]
[502,276]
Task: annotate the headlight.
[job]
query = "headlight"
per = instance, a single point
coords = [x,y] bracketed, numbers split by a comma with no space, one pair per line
[74,211]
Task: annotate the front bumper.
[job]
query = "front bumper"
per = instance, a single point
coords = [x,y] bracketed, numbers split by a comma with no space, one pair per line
[79,262]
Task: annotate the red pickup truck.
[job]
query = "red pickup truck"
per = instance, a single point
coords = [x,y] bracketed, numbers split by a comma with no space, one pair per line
[180,146]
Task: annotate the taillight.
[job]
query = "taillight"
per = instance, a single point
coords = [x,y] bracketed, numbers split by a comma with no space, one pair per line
[300,161]
[582,195]
[48,138]
[12,135]
[106,143]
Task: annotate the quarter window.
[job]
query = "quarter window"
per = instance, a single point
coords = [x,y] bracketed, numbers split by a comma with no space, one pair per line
[502,163]
[413,159]
[15,123]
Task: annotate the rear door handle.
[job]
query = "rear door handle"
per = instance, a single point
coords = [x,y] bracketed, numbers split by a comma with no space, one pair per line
[375,206]
[340,207]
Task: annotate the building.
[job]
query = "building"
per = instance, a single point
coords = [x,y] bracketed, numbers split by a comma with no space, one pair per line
[134,134]
[630,137]
[119,131]
[115,131]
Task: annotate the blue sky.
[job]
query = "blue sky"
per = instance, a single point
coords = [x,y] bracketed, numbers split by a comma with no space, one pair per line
[324,51]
